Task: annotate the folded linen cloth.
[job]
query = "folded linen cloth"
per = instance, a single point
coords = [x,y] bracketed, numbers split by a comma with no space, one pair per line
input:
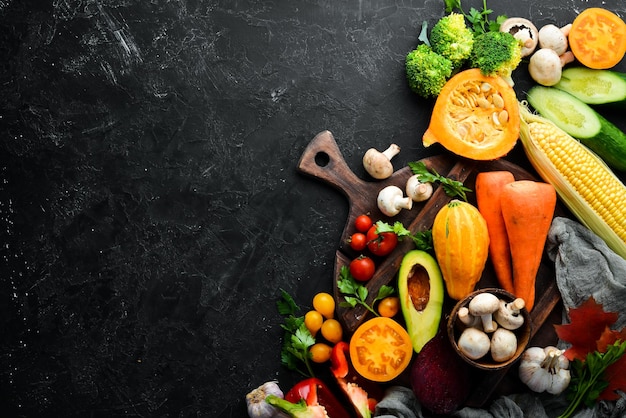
[585,266]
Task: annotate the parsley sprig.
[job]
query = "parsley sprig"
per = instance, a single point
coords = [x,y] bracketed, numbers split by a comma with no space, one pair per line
[453,188]
[478,19]
[588,380]
[297,340]
[356,294]
[423,240]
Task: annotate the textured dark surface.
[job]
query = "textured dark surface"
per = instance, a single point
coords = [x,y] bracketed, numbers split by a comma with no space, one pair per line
[150,207]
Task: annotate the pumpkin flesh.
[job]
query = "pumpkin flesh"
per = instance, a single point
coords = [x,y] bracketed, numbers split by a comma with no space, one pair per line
[475,116]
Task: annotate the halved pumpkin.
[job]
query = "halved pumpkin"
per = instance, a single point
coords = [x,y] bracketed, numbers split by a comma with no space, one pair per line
[475,116]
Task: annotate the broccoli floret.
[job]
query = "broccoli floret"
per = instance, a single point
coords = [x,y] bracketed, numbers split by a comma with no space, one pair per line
[496,53]
[427,71]
[452,38]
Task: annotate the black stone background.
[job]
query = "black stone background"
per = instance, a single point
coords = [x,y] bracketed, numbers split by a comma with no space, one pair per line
[150,206]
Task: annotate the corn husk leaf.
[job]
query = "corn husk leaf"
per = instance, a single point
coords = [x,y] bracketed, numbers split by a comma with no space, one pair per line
[575,202]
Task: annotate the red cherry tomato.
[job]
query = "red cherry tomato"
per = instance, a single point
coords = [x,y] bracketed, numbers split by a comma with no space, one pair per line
[381,244]
[362,268]
[358,241]
[362,223]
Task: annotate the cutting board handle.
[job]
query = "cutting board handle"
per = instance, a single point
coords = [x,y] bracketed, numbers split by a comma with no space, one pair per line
[322,159]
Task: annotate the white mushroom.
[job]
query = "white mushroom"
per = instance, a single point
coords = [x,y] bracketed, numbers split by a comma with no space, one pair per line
[545,66]
[524,30]
[391,201]
[509,314]
[503,345]
[378,164]
[417,190]
[550,36]
[466,318]
[484,305]
[474,343]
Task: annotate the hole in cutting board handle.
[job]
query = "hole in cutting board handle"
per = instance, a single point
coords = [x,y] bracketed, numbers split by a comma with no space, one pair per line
[322,159]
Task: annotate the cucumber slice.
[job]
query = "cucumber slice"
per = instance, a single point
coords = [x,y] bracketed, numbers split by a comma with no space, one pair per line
[594,87]
[582,122]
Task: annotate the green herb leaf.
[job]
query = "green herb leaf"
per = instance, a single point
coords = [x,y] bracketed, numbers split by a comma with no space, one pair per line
[423,240]
[297,339]
[453,188]
[356,294]
[286,305]
[478,19]
[452,5]
[588,379]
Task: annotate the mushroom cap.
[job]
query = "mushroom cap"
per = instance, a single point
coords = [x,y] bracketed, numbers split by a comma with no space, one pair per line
[508,314]
[524,30]
[474,343]
[550,36]
[545,67]
[503,345]
[377,164]
[484,304]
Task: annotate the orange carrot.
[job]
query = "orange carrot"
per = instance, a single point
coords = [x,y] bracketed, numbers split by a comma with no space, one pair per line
[489,186]
[527,209]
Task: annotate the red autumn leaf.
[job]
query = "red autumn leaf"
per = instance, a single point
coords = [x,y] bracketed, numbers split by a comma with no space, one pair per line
[609,337]
[615,374]
[587,323]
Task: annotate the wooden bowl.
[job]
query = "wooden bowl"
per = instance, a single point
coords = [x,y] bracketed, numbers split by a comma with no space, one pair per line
[455,328]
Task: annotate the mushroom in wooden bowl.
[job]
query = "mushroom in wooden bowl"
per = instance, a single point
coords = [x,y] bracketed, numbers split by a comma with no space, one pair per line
[490,328]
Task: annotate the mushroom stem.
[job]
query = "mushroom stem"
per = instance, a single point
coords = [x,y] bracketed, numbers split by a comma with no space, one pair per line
[392,151]
[391,201]
[417,190]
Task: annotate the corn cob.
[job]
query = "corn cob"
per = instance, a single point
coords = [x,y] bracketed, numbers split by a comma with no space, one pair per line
[585,184]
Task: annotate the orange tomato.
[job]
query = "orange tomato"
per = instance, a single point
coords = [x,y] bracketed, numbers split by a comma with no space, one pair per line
[320,352]
[313,321]
[324,303]
[597,38]
[389,306]
[332,331]
[380,349]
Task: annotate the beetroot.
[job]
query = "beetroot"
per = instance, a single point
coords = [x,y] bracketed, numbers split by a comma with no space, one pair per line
[439,377]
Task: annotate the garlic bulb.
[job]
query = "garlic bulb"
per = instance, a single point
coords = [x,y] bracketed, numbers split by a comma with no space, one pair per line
[255,401]
[545,370]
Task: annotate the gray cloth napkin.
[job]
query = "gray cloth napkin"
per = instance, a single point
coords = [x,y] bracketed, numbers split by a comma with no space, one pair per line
[584,266]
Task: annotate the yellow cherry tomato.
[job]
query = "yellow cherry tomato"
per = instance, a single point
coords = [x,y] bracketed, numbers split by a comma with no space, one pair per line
[389,306]
[320,352]
[332,331]
[313,321]
[324,303]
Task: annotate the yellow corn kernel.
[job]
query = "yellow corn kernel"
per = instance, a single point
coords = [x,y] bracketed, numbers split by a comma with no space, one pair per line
[585,184]
[598,187]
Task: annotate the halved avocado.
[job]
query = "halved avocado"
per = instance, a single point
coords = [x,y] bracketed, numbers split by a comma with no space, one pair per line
[421,290]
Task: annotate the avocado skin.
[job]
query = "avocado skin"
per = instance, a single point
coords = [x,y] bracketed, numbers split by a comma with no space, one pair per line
[421,325]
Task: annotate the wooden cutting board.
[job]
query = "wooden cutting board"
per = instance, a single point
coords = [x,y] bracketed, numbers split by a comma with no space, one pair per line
[323,160]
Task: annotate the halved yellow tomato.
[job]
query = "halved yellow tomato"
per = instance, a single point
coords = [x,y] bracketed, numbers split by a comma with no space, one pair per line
[475,116]
[380,349]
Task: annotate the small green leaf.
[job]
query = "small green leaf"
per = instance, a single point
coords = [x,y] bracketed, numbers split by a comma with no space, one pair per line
[286,305]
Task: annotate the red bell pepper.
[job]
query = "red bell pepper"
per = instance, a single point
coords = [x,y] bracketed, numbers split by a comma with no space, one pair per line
[340,367]
[339,360]
[315,392]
